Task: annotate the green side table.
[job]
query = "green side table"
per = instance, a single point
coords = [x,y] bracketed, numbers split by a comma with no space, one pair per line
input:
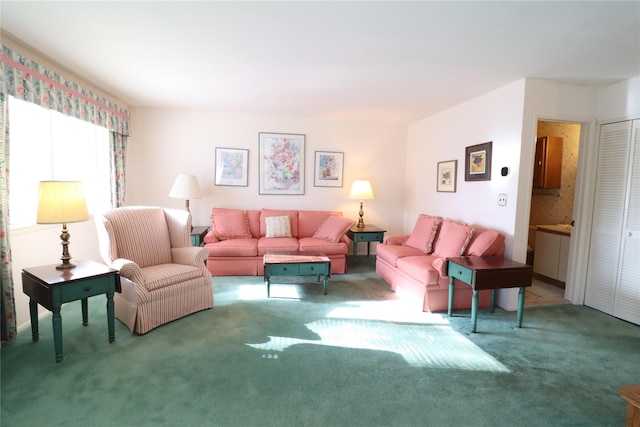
[197,235]
[368,233]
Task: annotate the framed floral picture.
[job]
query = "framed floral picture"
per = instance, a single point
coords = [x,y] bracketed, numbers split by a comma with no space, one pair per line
[281,163]
[447,176]
[477,163]
[328,169]
[232,167]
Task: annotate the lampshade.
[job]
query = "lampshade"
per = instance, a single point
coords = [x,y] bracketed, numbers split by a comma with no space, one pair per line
[61,202]
[361,190]
[185,187]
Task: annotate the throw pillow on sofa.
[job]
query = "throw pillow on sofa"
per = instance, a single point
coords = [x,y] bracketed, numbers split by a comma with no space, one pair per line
[333,228]
[453,239]
[231,224]
[278,226]
[424,233]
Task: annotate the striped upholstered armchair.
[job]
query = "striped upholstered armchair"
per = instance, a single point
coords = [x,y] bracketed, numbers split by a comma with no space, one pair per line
[163,277]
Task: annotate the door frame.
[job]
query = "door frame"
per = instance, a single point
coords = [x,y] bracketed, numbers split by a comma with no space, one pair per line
[582,204]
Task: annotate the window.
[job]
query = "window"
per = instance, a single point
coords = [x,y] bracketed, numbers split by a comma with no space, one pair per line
[47,145]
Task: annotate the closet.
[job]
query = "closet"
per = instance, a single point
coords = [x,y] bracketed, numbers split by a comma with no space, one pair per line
[613,273]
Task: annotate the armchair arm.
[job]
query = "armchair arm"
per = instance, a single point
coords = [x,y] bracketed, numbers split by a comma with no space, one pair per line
[192,255]
[128,269]
[396,240]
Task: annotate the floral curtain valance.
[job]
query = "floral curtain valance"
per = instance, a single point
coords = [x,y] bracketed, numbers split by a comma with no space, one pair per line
[25,79]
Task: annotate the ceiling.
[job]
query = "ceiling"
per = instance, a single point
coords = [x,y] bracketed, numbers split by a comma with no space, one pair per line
[388,61]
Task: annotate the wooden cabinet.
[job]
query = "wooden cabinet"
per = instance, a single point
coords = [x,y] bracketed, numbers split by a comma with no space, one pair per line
[547,171]
[551,255]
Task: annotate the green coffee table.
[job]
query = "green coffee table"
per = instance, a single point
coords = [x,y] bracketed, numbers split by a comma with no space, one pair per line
[297,264]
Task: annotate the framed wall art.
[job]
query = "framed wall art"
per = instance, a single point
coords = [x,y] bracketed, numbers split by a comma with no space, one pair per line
[477,163]
[447,176]
[232,167]
[328,169]
[281,163]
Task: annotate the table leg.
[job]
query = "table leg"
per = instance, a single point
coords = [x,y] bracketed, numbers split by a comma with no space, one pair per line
[268,280]
[474,310]
[355,249]
[85,312]
[520,306]
[56,320]
[368,249]
[493,300]
[325,283]
[110,317]
[33,311]
[451,287]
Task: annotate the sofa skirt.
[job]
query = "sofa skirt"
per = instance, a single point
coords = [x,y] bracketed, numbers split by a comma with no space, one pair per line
[433,297]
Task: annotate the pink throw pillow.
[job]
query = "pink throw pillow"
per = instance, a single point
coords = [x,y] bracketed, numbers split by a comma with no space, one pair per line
[485,243]
[453,239]
[333,228]
[424,233]
[231,224]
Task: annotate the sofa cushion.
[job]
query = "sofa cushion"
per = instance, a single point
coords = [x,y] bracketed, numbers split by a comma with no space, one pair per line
[392,253]
[453,239]
[277,244]
[230,224]
[486,243]
[324,246]
[424,233]
[277,226]
[309,221]
[234,247]
[293,219]
[333,228]
[419,268]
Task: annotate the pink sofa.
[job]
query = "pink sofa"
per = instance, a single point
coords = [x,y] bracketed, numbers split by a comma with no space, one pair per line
[415,265]
[238,239]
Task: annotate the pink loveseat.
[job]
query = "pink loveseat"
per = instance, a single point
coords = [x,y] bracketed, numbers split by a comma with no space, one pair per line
[238,239]
[415,265]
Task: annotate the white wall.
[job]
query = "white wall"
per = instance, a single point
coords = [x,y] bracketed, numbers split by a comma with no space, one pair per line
[620,100]
[166,142]
[496,117]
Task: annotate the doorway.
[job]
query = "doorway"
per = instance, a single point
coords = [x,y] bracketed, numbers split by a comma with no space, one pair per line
[551,218]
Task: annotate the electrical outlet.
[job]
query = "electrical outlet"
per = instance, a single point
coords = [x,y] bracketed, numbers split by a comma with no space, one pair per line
[502,199]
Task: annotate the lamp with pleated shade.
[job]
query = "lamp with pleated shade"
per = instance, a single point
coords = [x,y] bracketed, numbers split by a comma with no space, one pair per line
[62,202]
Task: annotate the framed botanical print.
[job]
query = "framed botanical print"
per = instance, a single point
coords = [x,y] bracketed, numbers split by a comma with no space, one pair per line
[232,167]
[477,163]
[328,169]
[447,176]
[281,163]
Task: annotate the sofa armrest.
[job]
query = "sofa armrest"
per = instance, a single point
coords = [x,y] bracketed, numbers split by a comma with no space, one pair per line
[396,240]
[440,265]
[211,237]
[345,239]
[192,255]
[128,269]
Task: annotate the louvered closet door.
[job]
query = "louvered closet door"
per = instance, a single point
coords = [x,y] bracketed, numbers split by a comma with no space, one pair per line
[614,253]
[627,300]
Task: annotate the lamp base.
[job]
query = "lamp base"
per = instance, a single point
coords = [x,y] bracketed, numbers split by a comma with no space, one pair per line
[361,214]
[66,258]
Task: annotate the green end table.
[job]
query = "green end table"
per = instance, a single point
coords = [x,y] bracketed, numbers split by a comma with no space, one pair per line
[197,235]
[368,233]
[51,288]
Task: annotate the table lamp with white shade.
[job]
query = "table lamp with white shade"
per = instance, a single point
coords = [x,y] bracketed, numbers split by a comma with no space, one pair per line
[361,189]
[186,187]
[62,202]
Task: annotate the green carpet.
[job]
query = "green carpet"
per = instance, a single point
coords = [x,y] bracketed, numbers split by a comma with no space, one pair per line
[355,357]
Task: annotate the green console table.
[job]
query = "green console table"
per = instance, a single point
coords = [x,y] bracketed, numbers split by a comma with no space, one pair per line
[51,288]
